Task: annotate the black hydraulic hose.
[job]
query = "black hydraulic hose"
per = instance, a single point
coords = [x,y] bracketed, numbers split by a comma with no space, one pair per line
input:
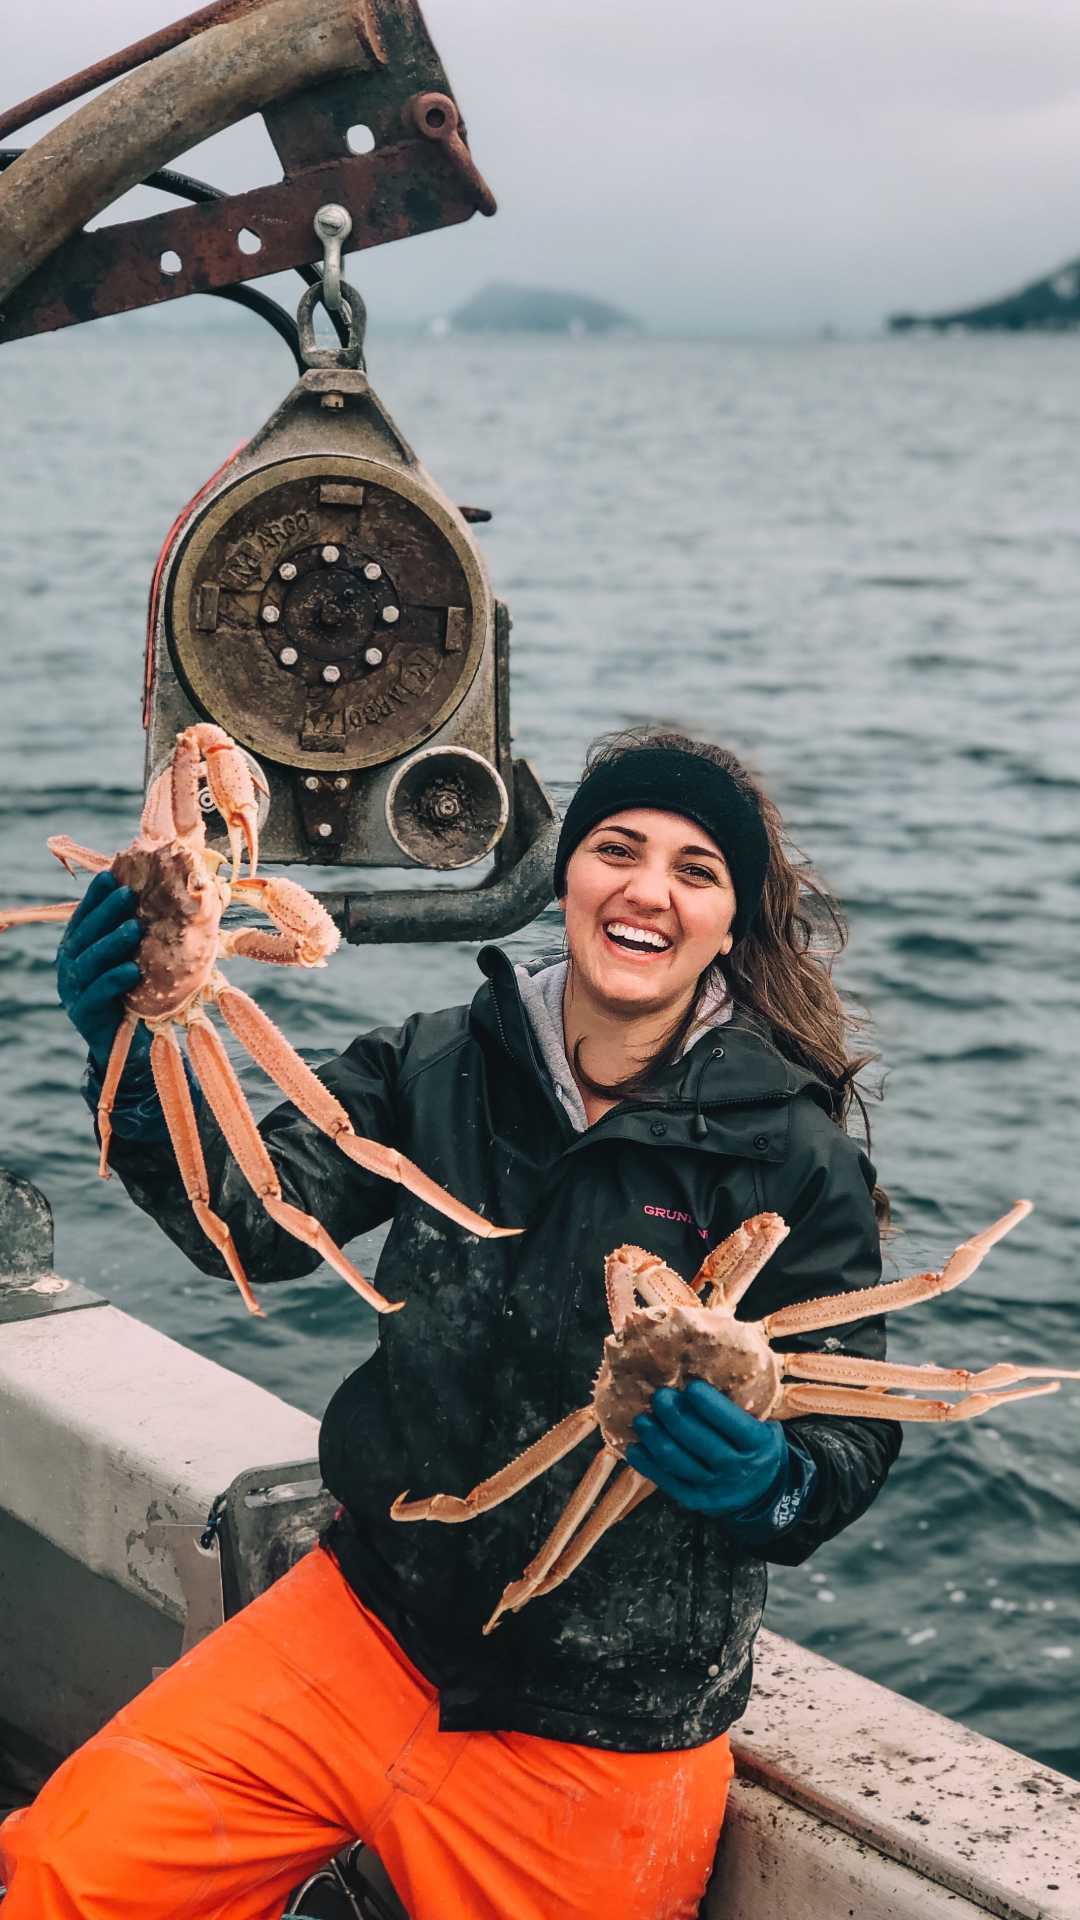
[184,187]
[268,310]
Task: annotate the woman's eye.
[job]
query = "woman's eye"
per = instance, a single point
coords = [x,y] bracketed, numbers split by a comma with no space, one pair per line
[701,873]
[613,846]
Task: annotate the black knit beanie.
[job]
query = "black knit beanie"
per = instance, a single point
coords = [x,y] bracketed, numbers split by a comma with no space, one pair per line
[675,782]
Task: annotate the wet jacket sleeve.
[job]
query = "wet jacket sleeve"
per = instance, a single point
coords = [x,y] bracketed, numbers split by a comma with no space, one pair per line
[833,1247]
[314,1174]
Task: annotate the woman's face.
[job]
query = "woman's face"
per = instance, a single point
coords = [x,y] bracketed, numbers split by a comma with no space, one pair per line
[649,904]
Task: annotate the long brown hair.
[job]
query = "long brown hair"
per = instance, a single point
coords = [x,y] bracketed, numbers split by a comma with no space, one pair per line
[780,971]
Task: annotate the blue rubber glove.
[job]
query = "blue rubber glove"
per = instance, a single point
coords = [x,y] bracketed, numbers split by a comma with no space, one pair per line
[96,967]
[711,1456]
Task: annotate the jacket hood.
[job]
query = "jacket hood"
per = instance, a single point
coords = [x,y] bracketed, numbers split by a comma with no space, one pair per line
[732,1065]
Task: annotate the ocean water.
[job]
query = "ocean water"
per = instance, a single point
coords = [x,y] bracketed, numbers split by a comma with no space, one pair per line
[857,563]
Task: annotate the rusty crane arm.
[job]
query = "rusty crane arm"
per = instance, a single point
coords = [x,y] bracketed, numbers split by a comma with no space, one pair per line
[315,69]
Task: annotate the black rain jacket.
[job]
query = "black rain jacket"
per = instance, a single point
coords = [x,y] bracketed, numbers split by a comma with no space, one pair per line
[648,1645]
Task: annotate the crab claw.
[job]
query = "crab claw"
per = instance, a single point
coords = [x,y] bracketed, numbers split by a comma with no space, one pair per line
[233,790]
[245,821]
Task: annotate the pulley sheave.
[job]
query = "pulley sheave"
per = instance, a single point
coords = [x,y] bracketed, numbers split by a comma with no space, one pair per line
[328,608]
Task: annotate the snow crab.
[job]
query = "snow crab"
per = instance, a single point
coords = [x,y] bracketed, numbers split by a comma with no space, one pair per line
[686,1331]
[182,894]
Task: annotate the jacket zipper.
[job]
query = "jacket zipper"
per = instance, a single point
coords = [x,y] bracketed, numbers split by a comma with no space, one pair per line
[540,1074]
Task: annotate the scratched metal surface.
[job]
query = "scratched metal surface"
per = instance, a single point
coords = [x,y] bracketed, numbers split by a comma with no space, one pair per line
[857,563]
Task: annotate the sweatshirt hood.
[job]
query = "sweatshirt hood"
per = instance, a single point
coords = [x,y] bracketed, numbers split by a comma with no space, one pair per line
[747,1067]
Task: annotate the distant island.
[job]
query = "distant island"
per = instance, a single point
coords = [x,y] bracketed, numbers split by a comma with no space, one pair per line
[1051,305]
[503,307]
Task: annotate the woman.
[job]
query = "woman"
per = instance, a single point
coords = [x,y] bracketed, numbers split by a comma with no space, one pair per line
[685,1067]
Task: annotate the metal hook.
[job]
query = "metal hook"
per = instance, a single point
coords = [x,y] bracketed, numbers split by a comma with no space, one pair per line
[333,224]
[355,312]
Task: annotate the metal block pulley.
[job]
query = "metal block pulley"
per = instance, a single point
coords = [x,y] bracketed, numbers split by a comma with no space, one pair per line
[331,612]
[326,603]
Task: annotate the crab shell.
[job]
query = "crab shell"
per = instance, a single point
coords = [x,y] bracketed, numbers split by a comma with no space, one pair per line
[666,1347]
[180,904]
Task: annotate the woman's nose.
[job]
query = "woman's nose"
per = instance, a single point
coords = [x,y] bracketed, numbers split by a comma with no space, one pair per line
[648,887]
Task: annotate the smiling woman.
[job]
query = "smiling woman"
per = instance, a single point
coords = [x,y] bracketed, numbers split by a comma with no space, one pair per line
[664,924]
[697,986]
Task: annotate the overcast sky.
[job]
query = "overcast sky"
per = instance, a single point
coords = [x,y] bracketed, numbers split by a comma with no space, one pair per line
[716,165]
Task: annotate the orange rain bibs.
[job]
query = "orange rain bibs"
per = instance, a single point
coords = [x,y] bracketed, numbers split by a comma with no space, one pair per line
[300,1726]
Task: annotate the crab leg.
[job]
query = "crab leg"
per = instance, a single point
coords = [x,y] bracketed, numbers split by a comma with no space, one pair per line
[848,1370]
[629,1491]
[867,1404]
[158,821]
[838,1309]
[257,943]
[736,1262]
[121,1046]
[268,1046]
[646,1488]
[631,1270]
[71,855]
[172,804]
[306,934]
[539,1570]
[23,916]
[167,1064]
[231,1111]
[519,1472]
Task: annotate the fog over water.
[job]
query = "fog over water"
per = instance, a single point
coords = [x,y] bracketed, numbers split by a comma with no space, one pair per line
[858,564]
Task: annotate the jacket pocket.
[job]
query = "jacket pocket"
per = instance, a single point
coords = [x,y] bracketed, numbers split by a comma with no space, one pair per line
[726,1603]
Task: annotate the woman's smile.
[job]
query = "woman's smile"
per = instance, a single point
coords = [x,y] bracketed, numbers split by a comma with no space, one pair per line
[643,942]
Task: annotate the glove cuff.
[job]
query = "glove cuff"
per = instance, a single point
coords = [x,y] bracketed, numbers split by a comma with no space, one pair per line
[782,1505]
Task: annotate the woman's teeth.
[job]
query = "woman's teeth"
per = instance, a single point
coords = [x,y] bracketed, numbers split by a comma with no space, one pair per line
[636,937]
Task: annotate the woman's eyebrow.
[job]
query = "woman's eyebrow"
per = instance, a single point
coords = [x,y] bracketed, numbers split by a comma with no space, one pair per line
[710,853]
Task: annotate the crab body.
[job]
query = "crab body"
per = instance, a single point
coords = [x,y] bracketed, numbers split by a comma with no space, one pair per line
[180,903]
[666,1347]
[181,896]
